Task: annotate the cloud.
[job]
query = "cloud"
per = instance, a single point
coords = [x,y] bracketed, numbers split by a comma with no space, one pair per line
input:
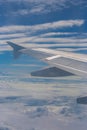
[42,33]
[38,6]
[51,34]
[59,46]
[21,12]
[12,36]
[39,40]
[58,40]
[41,27]
[39,112]
[59,24]
[38,9]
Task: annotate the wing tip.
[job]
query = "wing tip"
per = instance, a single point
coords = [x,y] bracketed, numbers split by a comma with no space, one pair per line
[16,49]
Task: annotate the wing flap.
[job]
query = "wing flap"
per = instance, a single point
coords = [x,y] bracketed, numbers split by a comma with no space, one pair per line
[71,65]
[82,100]
[51,72]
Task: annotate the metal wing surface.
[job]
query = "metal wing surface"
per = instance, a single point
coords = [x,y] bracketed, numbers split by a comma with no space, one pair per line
[62,63]
[74,66]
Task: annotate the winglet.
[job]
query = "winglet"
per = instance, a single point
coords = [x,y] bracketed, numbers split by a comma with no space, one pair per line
[16,49]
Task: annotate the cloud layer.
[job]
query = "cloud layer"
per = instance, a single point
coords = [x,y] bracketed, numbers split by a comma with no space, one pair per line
[45,26]
[50,103]
[43,33]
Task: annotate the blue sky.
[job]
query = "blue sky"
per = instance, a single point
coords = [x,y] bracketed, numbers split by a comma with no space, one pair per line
[28,12]
[57,24]
[28,18]
[54,23]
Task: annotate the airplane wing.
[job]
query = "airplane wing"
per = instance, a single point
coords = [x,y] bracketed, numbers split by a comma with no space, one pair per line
[62,63]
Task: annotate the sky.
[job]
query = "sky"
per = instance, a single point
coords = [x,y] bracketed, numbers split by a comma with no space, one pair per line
[41,103]
[54,23]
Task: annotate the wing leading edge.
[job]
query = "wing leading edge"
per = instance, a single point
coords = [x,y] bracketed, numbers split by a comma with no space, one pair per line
[63,63]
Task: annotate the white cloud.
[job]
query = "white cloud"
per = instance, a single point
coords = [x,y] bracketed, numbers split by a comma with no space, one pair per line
[49,40]
[24,34]
[15,35]
[42,6]
[42,27]
[37,9]
[59,24]
[34,45]
[21,12]
[58,34]
[52,105]
[57,40]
